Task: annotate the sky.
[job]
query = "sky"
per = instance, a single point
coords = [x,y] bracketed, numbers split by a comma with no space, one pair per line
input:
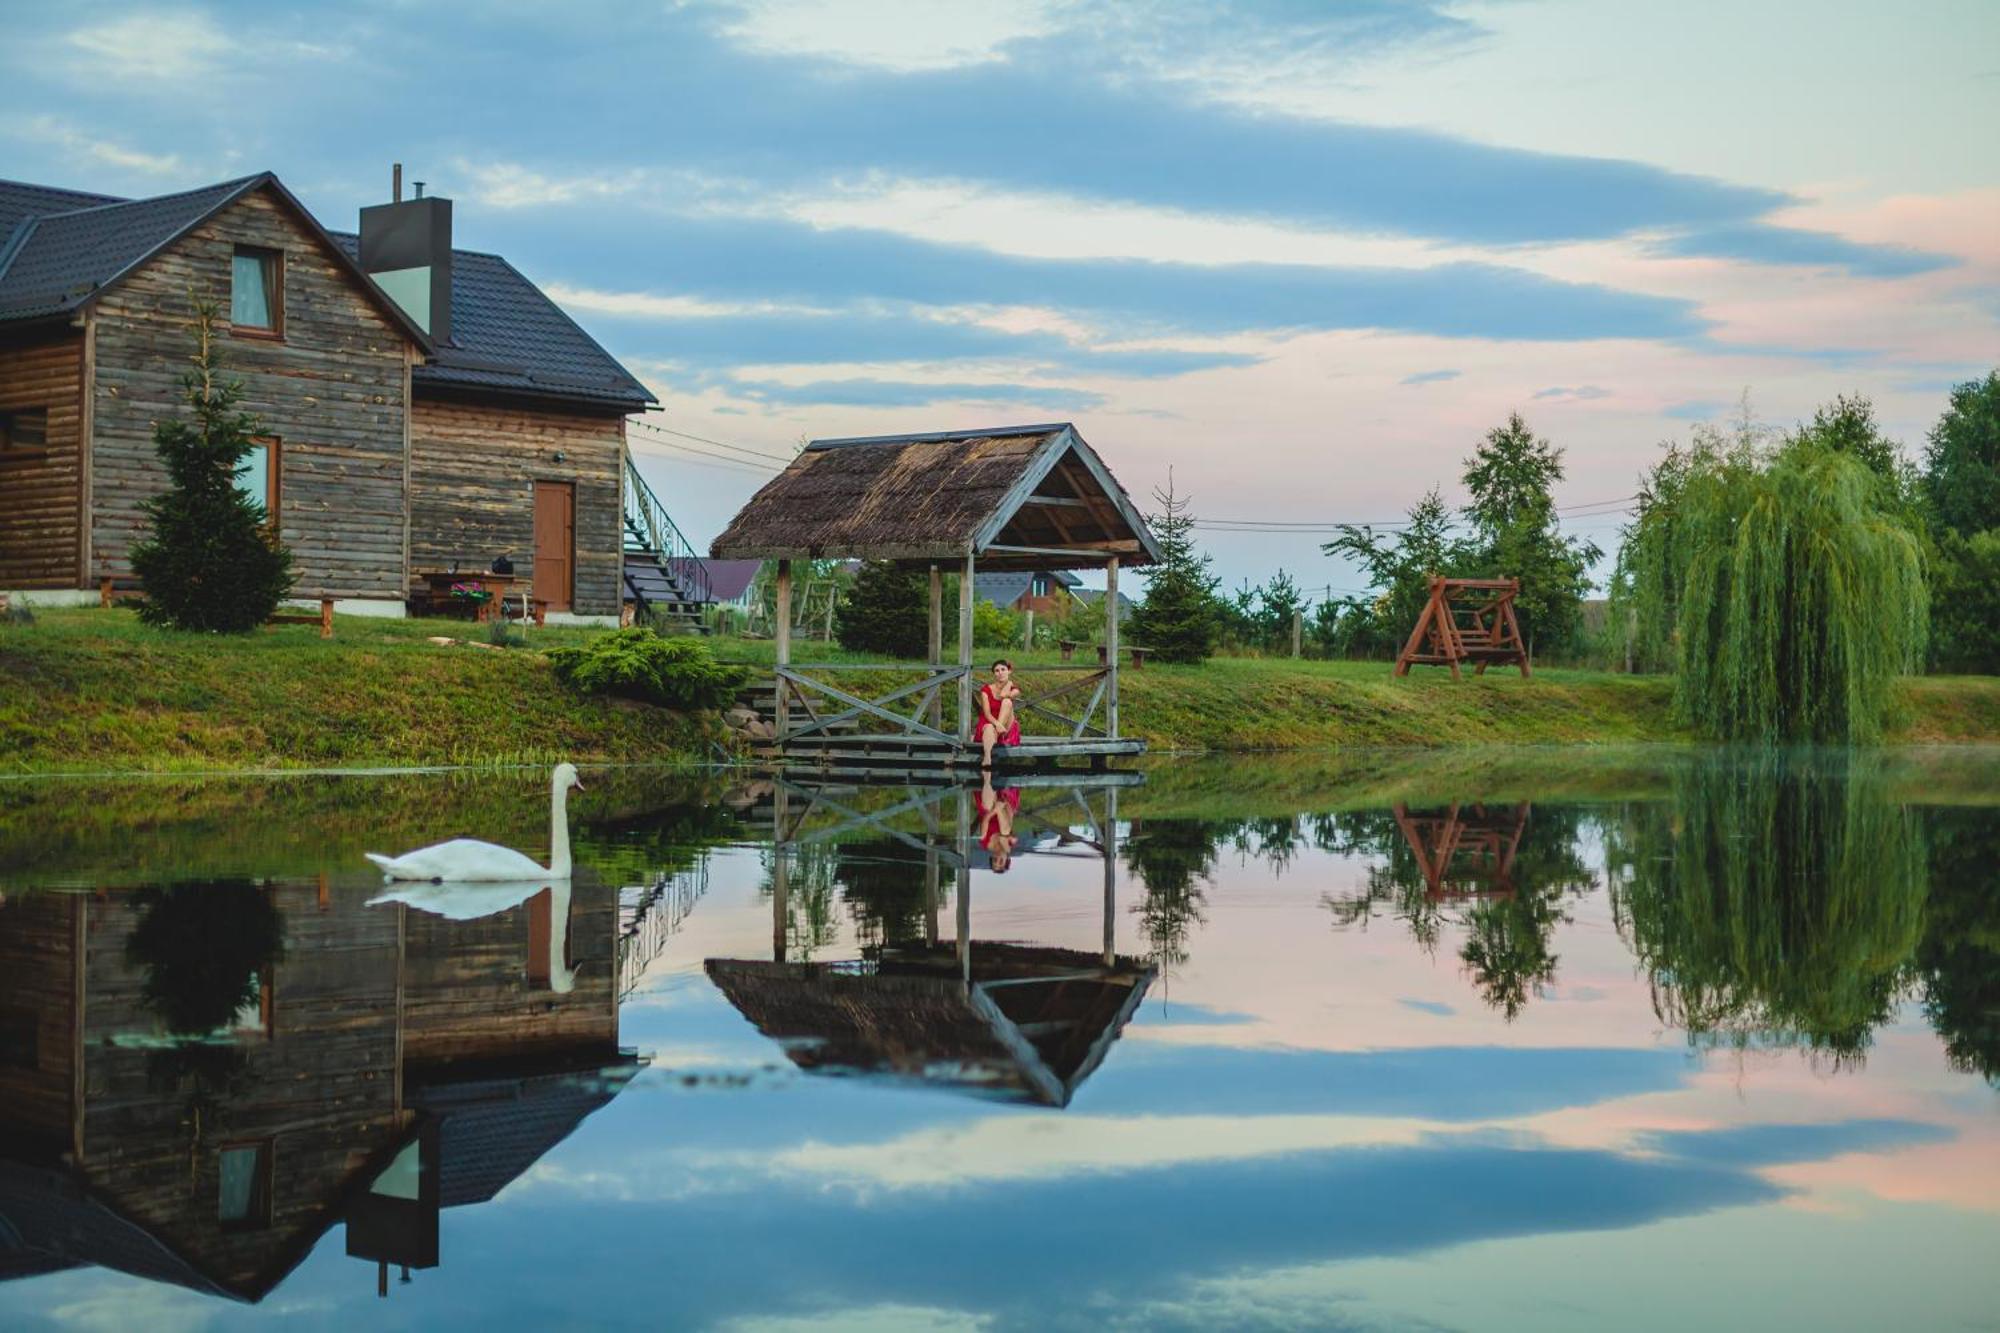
[1297,255]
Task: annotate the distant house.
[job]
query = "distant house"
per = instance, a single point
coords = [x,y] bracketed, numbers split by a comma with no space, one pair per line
[1046,592]
[1092,596]
[425,408]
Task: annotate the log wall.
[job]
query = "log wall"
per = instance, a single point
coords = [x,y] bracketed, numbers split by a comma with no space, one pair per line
[40,939]
[473,469]
[41,494]
[333,389]
[321,1087]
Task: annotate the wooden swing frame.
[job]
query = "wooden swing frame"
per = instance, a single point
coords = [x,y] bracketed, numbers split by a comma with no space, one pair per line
[1467,620]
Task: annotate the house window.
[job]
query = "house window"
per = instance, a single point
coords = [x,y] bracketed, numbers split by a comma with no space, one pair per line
[257,291]
[259,474]
[243,1185]
[24,434]
[1041,585]
[253,1017]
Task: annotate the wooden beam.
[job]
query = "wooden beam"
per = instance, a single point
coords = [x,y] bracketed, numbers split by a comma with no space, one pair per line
[1111,647]
[1065,501]
[965,651]
[1108,836]
[782,631]
[780,874]
[964,830]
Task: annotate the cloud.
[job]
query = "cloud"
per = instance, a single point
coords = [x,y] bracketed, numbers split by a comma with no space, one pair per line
[161,48]
[61,134]
[791,265]
[1697,409]
[1428,1007]
[1760,243]
[1430,377]
[1582,393]
[1176,1015]
[1778,1145]
[907,393]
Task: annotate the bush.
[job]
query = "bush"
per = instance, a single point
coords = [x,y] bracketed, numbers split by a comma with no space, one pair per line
[995,627]
[638,664]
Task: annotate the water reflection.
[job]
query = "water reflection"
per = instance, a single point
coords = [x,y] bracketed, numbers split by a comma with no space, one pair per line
[202,1077]
[1774,900]
[265,1069]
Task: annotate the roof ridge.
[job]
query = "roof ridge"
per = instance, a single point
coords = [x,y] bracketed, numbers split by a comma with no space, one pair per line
[12,246]
[940,436]
[228,185]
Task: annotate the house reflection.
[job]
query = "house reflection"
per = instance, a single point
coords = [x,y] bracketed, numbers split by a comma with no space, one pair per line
[382,1063]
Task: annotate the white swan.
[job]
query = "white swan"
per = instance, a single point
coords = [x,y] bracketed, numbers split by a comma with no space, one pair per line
[468,860]
[468,902]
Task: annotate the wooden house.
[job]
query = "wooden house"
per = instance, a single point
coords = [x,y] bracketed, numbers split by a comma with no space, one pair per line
[1049,593]
[424,409]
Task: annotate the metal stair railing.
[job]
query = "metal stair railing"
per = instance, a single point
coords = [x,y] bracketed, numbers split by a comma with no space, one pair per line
[650,530]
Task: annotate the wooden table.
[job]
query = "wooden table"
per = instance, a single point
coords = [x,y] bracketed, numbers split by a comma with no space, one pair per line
[440,586]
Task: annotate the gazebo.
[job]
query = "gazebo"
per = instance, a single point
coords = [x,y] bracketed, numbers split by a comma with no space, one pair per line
[1011,498]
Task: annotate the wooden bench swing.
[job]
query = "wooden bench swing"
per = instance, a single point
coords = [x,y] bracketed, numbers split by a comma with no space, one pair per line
[1467,620]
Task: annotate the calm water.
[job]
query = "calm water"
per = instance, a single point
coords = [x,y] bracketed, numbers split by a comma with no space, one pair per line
[1547,1040]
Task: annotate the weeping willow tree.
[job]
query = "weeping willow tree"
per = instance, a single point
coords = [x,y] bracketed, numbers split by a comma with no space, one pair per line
[1785,584]
[1774,899]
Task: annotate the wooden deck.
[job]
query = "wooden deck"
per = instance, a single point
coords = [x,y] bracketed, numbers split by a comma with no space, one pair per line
[849,754]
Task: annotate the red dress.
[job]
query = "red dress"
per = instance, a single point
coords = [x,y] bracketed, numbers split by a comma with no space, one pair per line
[989,709]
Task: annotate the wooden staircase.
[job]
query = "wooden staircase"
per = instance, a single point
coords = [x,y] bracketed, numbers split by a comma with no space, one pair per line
[664,575]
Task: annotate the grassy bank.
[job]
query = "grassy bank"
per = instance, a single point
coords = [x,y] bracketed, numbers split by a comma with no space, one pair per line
[91,689]
[96,690]
[1278,703]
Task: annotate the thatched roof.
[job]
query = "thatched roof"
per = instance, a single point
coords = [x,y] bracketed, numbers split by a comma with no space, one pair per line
[1035,1038]
[942,497]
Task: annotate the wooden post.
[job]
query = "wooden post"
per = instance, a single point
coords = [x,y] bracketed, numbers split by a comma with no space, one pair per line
[931,887]
[1028,633]
[832,596]
[965,651]
[965,884]
[781,907]
[937,643]
[1298,627]
[1111,646]
[782,632]
[1109,836]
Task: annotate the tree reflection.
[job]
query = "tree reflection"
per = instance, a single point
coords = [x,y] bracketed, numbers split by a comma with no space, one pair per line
[883,884]
[1779,897]
[1959,956]
[1505,873]
[1174,859]
[206,947]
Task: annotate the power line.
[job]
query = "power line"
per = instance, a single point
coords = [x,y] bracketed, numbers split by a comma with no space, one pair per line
[720,444]
[719,460]
[1311,525]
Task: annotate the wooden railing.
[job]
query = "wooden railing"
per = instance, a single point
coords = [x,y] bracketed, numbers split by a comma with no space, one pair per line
[914,709]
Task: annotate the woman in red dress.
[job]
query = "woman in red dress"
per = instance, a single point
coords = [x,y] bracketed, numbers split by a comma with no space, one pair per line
[997,724]
[996,823]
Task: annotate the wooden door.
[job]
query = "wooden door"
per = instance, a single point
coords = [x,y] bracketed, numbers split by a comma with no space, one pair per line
[555,544]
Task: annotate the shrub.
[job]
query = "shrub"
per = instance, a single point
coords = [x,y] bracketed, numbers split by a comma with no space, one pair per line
[638,664]
[1965,603]
[994,627]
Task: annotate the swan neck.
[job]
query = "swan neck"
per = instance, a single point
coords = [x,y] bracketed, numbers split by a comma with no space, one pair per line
[559,831]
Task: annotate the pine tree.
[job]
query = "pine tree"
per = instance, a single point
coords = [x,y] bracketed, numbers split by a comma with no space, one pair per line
[212,560]
[884,612]
[1177,617]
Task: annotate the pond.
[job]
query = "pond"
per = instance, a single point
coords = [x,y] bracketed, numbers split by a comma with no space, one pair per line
[1539,1039]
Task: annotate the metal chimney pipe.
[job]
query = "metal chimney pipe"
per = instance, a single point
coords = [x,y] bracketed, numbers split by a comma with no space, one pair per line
[420,189]
[396,183]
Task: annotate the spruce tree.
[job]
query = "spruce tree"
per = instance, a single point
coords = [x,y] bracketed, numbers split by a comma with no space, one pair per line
[884,612]
[1177,617]
[212,560]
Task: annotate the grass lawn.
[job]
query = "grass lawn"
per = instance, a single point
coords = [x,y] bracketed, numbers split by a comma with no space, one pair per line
[96,689]
[89,689]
